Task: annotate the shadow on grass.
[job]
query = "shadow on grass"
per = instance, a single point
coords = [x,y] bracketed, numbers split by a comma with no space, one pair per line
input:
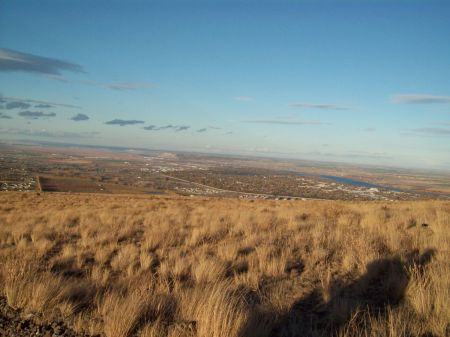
[383,285]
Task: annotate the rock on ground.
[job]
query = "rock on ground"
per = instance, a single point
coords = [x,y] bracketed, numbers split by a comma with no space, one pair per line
[12,324]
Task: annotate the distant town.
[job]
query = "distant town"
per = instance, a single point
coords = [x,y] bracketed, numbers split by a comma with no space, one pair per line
[77,169]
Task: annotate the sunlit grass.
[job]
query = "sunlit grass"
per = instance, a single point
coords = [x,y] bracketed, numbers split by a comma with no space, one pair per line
[123,265]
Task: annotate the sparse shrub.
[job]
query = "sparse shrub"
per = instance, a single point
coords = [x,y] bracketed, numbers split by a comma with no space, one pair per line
[122,314]
[209,270]
[127,256]
[18,274]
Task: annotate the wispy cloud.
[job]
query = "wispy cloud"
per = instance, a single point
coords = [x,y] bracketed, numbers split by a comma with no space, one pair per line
[243,98]
[36,114]
[419,99]
[49,133]
[35,101]
[370,155]
[128,85]
[165,127]
[13,60]
[320,106]
[182,128]
[80,117]
[369,130]
[43,106]
[3,116]
[123,122]
[119,86]
[17,105]
[281,122]
[429,131]
[176,128]
[201,130]
[59,78]
[352,155]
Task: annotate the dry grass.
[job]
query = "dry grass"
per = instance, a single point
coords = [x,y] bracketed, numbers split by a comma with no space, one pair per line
[184,267]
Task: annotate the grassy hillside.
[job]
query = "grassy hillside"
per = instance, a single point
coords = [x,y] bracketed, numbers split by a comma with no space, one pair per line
[147,266]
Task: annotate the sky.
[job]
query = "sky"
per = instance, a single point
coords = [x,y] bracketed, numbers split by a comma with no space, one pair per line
[364,82]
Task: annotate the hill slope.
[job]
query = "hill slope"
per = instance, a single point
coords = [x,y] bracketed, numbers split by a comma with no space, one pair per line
[120,265]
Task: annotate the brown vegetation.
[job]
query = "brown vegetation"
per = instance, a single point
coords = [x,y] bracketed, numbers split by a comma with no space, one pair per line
[147,266]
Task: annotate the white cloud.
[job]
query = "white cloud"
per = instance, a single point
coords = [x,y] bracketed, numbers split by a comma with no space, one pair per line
[320,106]
[12,60]
[419,99]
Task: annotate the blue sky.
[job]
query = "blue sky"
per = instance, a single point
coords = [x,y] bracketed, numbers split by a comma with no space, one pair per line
[353,81]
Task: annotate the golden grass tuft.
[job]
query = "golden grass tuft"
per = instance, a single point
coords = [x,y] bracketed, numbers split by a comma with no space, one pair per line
[124,266]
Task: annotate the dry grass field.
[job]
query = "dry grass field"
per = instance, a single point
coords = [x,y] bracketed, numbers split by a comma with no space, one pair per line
[118,265]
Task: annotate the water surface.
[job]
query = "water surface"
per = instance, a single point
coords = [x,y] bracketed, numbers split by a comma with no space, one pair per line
[349,181]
